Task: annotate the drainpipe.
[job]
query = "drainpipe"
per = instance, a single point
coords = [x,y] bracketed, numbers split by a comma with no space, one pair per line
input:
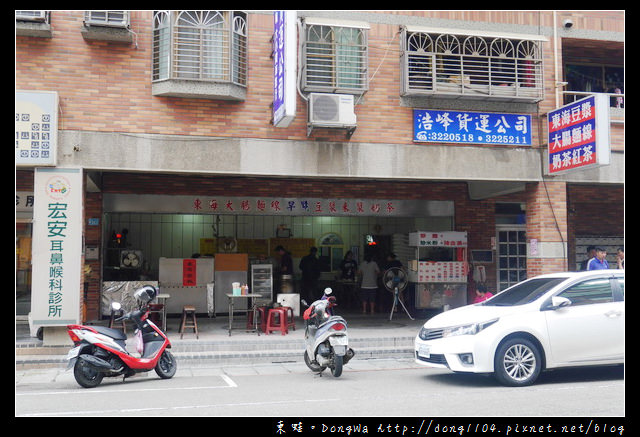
[555,61]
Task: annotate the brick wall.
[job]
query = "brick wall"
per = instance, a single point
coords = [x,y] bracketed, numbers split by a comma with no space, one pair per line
[106,86]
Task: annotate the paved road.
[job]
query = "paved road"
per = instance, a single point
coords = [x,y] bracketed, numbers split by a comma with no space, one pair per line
[370,388]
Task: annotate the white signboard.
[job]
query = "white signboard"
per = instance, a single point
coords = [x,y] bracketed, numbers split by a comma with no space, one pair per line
[284,67]
[57,247]
[36,127]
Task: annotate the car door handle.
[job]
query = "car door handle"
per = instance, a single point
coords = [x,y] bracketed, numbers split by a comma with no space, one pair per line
[613,314]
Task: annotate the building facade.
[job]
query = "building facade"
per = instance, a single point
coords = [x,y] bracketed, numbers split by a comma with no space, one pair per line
[401,121]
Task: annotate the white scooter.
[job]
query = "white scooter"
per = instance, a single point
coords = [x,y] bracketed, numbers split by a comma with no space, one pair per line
[325,336]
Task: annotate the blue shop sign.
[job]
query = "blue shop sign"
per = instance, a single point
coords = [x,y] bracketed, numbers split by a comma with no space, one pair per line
[471,127]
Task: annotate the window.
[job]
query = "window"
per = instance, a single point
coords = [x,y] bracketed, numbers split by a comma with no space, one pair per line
[200,46]
[330,252]
[335,59]
[595,79]
[589,292]
[448,64]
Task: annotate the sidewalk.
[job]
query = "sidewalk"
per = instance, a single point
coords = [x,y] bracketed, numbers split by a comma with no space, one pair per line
[371,336]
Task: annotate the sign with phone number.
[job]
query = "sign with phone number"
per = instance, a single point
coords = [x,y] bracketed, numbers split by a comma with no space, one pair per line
[471,127]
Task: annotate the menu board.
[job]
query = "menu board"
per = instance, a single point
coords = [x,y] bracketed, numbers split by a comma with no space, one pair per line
[442,271]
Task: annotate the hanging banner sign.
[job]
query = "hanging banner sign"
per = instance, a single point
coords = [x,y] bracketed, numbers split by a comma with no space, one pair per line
[284,67]
[283,206]
[57,247]
[471,127]
[579,135]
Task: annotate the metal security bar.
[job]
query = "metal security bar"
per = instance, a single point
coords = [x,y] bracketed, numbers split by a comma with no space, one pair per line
[200,45]
[335,59]
[473,66]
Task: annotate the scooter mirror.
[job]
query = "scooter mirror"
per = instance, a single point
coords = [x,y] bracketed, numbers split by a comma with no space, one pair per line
[116,306]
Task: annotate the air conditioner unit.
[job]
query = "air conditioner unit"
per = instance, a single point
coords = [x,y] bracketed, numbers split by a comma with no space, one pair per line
[119,19]
[331,110]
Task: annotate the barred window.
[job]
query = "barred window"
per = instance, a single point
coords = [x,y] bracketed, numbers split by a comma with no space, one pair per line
[335,59]
[447,64]
[200,46]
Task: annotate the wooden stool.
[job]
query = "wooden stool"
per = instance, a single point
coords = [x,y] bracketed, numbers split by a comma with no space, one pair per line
[114,315]
[188,319]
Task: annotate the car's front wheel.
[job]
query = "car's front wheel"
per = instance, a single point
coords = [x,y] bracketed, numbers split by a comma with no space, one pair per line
[517,362]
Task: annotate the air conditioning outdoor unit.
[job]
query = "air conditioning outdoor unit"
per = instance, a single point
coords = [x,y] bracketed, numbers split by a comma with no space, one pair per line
[331,110]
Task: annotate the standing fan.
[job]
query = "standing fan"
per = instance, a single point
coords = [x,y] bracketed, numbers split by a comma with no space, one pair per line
[396,280]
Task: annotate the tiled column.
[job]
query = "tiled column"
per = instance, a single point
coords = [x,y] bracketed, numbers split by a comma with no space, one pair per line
[546,227]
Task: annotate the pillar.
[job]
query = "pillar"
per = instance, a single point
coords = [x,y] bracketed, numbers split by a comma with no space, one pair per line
[546,227]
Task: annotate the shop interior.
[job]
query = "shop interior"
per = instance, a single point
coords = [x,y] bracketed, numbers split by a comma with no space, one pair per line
[139,247]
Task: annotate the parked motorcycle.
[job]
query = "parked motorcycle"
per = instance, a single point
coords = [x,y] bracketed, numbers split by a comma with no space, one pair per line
[325,336]
[100,351]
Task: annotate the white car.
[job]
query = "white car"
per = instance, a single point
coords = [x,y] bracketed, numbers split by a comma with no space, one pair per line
[555,320]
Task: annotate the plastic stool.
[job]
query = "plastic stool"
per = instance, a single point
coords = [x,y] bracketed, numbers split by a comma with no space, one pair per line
[277,320]
[262,316]
[188,319]
[291,321]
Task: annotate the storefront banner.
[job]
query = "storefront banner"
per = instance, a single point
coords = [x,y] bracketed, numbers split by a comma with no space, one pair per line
[579,135]
[438,239]
[36,127]
[283,206]
[57,247]
[471,127]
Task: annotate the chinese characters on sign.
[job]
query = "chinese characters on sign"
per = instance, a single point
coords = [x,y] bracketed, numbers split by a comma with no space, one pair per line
[438,239]
[471,127]
[57,246]
[294,206]
[36,127]
[579,135]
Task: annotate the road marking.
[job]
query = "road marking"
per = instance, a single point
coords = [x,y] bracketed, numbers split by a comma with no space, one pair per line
[142,410]
[229,384]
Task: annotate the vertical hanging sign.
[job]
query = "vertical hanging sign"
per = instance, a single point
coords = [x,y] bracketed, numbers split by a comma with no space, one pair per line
[579,135]
[189,273]
[57,247]
[284,67]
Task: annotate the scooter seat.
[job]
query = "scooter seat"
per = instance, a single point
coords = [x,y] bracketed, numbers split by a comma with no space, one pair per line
[116,334]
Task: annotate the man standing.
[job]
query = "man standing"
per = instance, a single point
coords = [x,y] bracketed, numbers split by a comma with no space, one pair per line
[310,267]
[599,261]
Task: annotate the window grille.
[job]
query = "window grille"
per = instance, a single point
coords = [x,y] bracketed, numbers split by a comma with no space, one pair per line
[335,59]
[107,18]
[451,65]
[37,16]
[200,46]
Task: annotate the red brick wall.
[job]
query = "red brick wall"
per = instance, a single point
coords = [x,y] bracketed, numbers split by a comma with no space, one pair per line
[106,86]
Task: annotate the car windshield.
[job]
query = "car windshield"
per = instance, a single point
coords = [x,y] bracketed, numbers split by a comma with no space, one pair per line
[524,292]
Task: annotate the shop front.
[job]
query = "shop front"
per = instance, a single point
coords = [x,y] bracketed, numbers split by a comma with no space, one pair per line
[155,237]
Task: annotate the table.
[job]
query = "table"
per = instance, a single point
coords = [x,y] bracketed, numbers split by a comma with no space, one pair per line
[231,297]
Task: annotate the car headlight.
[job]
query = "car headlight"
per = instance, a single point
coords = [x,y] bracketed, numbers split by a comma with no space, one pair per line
[470,329]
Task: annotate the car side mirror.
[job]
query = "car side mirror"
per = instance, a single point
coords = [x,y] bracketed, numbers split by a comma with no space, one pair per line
[558,302]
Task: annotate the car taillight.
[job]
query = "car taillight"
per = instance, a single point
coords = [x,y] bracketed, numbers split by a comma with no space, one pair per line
[338,327]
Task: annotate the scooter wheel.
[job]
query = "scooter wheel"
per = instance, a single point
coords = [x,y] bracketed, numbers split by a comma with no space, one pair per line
[336,370]
[85,375]
[166,366]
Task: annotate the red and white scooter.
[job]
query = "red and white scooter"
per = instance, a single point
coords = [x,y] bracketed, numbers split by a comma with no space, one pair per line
[100,351]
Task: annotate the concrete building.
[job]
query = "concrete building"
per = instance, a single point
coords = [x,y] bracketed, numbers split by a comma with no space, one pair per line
[169,117]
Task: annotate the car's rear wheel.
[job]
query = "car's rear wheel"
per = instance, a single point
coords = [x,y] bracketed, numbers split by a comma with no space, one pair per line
[517,362]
